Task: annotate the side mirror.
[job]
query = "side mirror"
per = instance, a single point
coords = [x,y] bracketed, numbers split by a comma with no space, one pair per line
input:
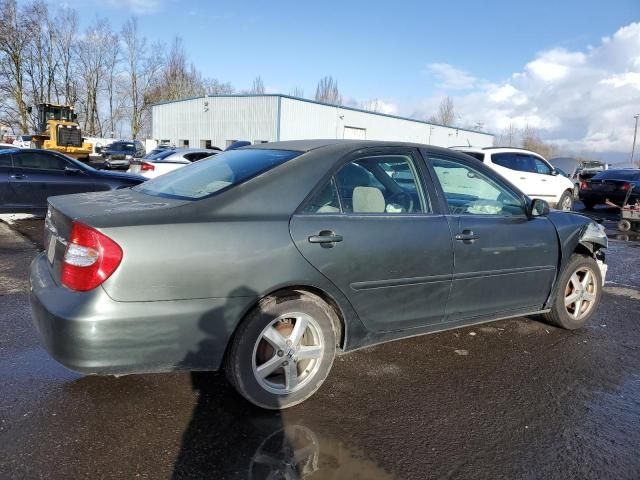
[538,208]
[554,172]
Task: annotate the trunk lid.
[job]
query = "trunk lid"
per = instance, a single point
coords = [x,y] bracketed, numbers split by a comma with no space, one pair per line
[99,210]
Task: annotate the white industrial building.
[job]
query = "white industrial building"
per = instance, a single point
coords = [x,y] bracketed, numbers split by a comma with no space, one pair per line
[222,119]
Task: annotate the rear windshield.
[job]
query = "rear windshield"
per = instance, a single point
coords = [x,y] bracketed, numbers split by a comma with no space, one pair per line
[122,146]
[209,176]
[618,175]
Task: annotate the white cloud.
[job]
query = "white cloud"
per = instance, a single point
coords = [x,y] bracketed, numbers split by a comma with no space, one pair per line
[582,100]
[139,7]
[450,77]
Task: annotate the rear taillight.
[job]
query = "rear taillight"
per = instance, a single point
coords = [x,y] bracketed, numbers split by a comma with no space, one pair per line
[90,259]
[584,186]
[146,167]
[625,187]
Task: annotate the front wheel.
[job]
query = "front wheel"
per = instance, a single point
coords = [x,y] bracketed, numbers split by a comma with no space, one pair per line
[578,295]
[624,225]
[283,351]
[566,201]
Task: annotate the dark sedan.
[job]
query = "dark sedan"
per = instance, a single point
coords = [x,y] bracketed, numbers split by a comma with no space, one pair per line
[28,177]
[269,260]
[119,154]
[612,185]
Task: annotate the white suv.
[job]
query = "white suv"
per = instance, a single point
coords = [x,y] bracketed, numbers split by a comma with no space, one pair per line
[528,171]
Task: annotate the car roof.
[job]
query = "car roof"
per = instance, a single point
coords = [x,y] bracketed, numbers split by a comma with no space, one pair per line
[347,145]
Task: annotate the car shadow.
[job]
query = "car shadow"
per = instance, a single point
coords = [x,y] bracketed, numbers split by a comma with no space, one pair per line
[225,430]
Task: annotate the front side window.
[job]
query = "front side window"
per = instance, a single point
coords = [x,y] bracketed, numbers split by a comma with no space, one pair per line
[470,192]
[541,167]
[220,172]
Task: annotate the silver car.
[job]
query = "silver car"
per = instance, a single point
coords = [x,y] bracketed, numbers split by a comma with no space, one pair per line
[169,160]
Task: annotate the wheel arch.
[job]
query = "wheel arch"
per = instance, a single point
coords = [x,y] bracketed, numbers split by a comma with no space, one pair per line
[336,312]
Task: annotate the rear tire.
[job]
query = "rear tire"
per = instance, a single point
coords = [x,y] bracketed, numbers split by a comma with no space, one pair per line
[275,365]
[578,295]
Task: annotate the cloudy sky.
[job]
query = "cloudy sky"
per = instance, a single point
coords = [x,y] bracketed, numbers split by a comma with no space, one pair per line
[570,69]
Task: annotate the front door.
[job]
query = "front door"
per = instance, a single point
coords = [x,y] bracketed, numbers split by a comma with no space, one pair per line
[371,231]
[505,261]
[40,175]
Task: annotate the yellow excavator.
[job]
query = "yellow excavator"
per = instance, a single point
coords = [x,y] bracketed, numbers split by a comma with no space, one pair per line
[58,130]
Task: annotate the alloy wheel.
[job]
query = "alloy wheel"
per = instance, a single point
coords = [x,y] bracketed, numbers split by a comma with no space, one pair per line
[567,204]
[580,293]
[288,352]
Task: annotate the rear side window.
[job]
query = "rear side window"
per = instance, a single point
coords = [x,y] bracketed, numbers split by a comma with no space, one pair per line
[37,160]
[384,184]
[207,177]
[5,160]
[515,161]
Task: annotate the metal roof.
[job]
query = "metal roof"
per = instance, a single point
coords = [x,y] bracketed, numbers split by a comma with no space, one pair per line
[343,107]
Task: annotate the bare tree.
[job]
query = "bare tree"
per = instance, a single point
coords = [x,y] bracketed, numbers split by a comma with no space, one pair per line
[15,36]
[509,136]
[327,91]
[531,141]
[257,88]
[66,30]
[445,114]
[297,92]
[92,50]
[143,64]
[373,105]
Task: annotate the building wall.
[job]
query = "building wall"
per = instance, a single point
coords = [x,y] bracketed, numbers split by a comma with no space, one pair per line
[304,120]
[218,119]
[255,118]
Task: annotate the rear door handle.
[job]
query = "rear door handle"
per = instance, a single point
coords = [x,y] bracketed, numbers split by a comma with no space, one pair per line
[467,236]
[18,176]
[326,238]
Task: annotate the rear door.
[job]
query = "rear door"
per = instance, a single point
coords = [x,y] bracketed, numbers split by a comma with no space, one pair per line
[379,240]
[505,261]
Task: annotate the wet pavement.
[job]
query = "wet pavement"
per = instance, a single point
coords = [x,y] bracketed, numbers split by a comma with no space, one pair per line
[510,399]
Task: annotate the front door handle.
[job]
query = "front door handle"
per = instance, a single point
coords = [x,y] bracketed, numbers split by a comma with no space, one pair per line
[467,236]
[18,176]
[326,238]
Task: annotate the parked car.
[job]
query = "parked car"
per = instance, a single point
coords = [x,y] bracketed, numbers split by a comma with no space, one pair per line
[529,171]
[270,259]
[5,146]
[169,160]
[28,177]
[23,141]
[119,154]
[612,185]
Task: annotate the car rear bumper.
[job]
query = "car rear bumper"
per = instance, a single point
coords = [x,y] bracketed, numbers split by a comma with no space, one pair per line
[91,333]
[600,197]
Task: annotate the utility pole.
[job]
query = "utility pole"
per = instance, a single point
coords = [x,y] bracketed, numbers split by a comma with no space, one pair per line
[635,134]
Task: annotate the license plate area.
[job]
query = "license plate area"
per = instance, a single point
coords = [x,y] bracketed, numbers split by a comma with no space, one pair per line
[51,249]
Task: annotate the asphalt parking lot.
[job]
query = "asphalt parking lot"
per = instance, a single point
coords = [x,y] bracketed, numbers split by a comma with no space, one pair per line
[511,399]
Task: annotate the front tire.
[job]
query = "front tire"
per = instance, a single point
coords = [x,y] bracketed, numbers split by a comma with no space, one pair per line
[578,295]
[282,351]
[624,225]
[566,201]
